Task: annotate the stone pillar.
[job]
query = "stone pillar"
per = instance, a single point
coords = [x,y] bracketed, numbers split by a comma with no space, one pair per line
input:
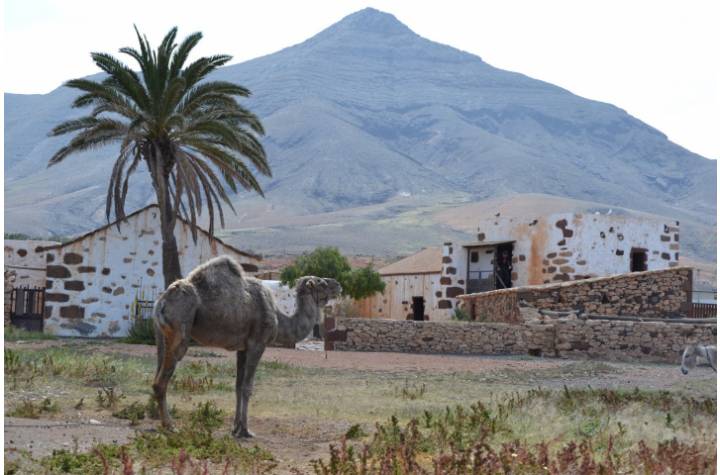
[9,276]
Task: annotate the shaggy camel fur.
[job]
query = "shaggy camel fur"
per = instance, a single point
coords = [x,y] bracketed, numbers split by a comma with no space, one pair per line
[692,352]
[217,305]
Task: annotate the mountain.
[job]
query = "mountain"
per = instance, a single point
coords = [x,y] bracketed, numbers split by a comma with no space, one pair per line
[367,114]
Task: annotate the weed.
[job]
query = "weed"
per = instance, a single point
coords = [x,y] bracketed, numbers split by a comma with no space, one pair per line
[31,410]
[355,432]
[12,362]
[194,438]
[410,391]
[107,398]
[194,385]
[461,315]
[141,332]
[135,412]
[99,461]
[102,373]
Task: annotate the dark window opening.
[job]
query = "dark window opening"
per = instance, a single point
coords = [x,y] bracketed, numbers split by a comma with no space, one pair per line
[418,307]
[638,260]
[474,256]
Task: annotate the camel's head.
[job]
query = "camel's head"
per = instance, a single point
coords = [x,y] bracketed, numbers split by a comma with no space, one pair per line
[321,289]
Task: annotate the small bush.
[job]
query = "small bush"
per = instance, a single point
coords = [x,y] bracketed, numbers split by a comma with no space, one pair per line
[135,412]
[108,398]
[461,315]
[355,432]
[142,332]
[33,410]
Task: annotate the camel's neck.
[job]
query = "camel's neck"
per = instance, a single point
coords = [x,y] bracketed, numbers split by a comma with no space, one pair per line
[292,329]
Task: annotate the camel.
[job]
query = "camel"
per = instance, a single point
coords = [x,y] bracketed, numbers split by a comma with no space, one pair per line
[217,305]
[692,352]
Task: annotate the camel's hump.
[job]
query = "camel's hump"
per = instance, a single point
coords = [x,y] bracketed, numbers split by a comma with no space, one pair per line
[217,267]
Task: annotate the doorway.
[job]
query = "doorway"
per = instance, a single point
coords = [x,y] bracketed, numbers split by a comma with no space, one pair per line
[638,260]
[418,307]
[27,306]
[503,266]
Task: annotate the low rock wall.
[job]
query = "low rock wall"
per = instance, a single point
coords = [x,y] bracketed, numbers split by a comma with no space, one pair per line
[663,293]
[596,339]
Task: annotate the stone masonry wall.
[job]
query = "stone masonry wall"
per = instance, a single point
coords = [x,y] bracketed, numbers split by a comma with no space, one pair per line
[574,246]
[596,339]
[452,276]
[93,282]
[499,306]
[662,294]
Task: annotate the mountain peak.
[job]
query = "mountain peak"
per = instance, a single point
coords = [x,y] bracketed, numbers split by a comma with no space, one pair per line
[370,20]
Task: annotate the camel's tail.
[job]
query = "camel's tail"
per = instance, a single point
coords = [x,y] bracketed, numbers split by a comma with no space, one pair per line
[158,312]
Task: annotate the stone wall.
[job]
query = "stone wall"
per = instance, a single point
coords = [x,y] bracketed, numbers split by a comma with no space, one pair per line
[496,306]
[596,339]
[93,281]
[662,293]
[27,259]
[9,281]
[452,276]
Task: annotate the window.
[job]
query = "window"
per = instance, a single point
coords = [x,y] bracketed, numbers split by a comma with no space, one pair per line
[474,257]
[638,260]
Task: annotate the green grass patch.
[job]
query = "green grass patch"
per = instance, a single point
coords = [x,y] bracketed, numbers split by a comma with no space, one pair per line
[13,333]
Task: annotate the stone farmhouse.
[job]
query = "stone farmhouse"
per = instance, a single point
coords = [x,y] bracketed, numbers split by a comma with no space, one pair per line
[559,247]
[412,289]
[95,282]
[512,252]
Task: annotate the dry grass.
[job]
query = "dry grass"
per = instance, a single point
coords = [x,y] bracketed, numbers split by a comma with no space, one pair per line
[635,425]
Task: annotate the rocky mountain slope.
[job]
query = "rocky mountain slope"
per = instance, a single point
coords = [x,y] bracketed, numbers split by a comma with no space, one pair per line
[367,112]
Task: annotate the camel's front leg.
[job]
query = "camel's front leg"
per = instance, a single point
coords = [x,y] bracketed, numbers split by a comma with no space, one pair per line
[244,387]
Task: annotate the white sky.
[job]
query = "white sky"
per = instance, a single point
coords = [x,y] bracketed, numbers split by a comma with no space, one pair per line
[655,59]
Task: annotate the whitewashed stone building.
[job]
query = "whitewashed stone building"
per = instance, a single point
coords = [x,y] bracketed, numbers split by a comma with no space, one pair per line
[412,289]
[512,252]
[26,260]
[94,281]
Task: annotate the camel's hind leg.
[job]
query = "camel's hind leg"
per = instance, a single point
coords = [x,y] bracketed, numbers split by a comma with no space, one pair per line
[172,343]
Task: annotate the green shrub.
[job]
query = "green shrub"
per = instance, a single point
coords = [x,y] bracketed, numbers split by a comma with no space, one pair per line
[328,262]
[13,333]
[142,332]
[461,315]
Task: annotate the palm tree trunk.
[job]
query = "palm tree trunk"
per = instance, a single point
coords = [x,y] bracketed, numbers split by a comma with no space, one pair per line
[170,257]
[161,182]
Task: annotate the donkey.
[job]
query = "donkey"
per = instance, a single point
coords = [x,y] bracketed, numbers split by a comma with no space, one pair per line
[689,357]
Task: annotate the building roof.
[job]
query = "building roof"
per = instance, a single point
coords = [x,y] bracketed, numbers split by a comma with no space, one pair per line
[142,210]
[487,243]
[427,261]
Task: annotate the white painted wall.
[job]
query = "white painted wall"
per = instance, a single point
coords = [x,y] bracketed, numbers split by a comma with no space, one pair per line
[285,297]
[27,259]
[567,246]
[599,245]
[396,301]
[94,297]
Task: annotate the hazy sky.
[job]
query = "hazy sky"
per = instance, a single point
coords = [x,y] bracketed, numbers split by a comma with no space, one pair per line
[658,60]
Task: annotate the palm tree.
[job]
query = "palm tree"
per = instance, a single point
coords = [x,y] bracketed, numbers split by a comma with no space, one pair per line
[188,130]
